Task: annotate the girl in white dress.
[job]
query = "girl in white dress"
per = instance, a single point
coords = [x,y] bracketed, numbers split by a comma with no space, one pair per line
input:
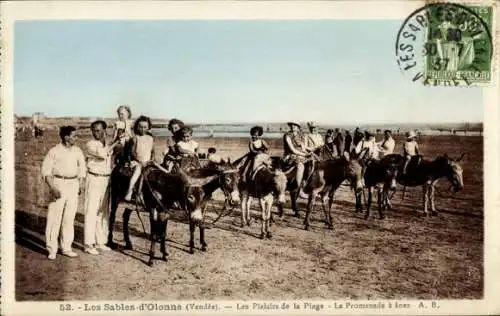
[142,151]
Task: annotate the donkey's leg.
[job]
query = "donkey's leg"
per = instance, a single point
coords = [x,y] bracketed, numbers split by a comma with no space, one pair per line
[192,227]
[164,223]
[262,203]
[369,202]
[126,235]
[380,200]
[248,214]
[324,200]
[202,237]
[432,190]
[244,198]
[293,198]
[269,204]
[310,206]
[111,222]
[359,203]
[426,197]
[154,229]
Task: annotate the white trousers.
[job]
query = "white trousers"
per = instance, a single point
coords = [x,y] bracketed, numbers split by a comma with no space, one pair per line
[96,210]
[61,215]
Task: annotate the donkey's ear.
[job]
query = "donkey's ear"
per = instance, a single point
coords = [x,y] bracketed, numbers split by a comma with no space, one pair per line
[346,155]
[461,157]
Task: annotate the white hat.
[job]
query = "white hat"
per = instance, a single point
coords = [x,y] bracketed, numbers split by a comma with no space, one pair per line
[411,134]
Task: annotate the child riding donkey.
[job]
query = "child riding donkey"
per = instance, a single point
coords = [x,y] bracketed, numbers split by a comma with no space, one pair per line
[142,145]
[257,154]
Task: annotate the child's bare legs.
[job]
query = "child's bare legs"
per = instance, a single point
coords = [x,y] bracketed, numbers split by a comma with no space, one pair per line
[133,180]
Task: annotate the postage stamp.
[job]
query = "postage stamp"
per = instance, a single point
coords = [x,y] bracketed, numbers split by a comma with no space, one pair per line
[449,44]
[249,157]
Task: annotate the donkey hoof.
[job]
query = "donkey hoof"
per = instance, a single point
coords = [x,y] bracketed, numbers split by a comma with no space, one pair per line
[128,246]
[262,235]
[164,258]
[306,227]
[242,225]
[204,248]
[381,217]
[434,213]
[269,235]
[367,216]
[330,227]
[112,245]
[150,263]
[296,215]
[191,251]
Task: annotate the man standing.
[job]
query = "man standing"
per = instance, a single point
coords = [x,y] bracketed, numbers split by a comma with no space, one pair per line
[99,165]
[339,141]
[347,142]
[63,169]
[387,145]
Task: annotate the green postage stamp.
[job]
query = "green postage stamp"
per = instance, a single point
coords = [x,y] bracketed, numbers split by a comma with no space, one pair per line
[459,45]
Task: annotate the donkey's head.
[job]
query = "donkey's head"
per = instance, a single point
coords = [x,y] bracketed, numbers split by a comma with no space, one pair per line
[452,170]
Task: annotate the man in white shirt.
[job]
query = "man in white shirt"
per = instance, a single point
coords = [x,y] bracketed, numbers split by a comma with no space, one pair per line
[99,166]
[386,147]
[368,142]
[63,169]
[314,140]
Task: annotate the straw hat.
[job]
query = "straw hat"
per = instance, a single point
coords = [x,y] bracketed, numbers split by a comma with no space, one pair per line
[293,123]
[410,135]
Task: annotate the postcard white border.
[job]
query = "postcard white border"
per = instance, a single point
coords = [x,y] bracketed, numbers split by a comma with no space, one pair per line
[146,10]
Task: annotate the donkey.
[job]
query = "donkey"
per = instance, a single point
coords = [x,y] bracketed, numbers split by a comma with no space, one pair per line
[263,184]
[426,173]
[161,190]
[380,175]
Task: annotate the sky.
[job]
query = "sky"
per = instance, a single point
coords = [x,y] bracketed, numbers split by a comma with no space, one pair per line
[328,71]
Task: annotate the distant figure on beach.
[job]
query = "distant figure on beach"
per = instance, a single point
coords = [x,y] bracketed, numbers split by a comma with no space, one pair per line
[256,146]
[64,170]
[339,141]
[347,142]
[213,156]
[314,139]
[142,145]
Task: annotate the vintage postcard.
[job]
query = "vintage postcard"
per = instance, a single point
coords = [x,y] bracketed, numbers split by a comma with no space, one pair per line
[250,157]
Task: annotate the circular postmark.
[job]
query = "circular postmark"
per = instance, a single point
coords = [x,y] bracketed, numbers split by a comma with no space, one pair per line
[447,44]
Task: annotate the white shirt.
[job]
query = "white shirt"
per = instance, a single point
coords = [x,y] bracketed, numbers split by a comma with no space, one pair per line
[65,162]
[214,158]
[190,146]
[315,140]
[143,147]
[372,152]
[387,147]
[99,157]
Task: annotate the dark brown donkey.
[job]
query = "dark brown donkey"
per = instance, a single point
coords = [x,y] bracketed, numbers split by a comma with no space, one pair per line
[380,175]
[160,190]
[426,173]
